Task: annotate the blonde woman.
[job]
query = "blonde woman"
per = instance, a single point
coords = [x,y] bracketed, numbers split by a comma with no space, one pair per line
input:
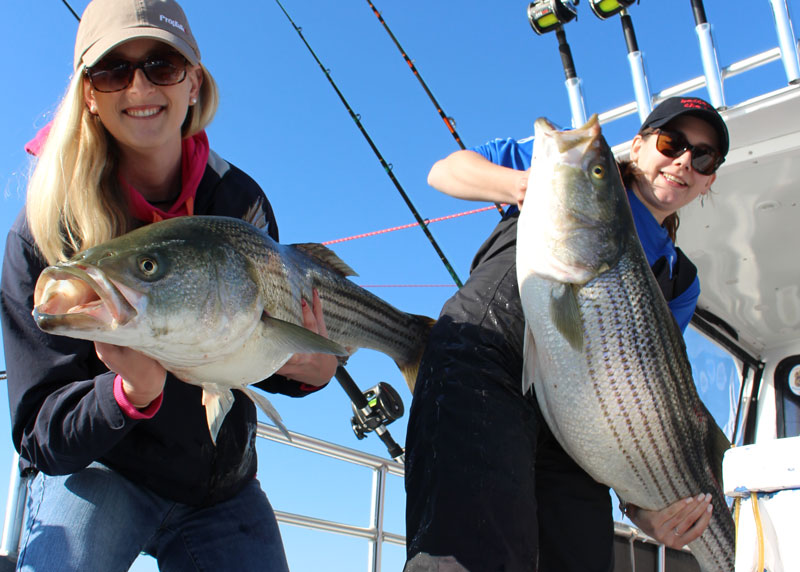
[120,449]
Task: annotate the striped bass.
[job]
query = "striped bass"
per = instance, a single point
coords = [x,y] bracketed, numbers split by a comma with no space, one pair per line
[602,350]
[217,302]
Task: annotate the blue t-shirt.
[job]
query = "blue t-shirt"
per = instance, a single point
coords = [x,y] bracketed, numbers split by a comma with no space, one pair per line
[654,238]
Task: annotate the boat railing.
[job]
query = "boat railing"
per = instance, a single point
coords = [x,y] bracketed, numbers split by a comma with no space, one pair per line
[381,468]
[734,69]
[629,540]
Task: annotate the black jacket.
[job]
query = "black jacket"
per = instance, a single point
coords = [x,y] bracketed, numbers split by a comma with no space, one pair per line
[63,412]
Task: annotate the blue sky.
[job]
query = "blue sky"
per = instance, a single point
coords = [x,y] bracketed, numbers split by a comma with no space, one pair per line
[281,122]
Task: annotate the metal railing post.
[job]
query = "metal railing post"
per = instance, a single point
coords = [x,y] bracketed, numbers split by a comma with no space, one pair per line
[377,510]
[15,510]
[786,40]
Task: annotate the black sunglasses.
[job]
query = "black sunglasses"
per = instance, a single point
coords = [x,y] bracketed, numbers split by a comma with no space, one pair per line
[115,74]
[705,159]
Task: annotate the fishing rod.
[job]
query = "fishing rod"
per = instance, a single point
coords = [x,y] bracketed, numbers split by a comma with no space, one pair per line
[448,121]
[379,406]
[375,150]
[78,18]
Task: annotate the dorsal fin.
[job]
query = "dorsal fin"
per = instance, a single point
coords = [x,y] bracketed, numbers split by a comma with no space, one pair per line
[324,256]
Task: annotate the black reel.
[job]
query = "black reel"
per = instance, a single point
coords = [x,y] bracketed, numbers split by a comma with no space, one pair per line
[385,407]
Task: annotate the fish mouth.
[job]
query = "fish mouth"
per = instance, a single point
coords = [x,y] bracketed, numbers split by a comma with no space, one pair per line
[78,297]
[579,139]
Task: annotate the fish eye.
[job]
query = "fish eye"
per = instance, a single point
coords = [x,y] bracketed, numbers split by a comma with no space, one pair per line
[598,172]
[148,266]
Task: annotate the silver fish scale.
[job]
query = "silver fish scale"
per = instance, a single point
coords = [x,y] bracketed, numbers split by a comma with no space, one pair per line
[642,428]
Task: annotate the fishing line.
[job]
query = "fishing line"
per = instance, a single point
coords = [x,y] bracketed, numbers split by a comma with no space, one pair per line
[448,121]
[383,162]
[406,285]
[405,226]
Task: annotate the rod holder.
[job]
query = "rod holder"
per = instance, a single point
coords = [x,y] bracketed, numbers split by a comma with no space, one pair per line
[573,82]
[636,61]
[786,40]
[710,65]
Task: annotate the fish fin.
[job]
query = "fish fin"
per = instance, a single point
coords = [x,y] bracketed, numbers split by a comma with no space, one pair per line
[411,369]
[267,407]
[528,360]
[716,445]
[255,215]
[217,401]
[324,256]
[566,315]
[298,339]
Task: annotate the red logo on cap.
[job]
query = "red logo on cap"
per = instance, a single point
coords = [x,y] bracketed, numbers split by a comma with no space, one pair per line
[695,104]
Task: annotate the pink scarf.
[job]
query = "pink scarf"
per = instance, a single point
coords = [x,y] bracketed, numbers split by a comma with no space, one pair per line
[194,157]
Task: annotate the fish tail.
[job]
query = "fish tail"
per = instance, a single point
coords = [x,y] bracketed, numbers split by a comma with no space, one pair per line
[410,368]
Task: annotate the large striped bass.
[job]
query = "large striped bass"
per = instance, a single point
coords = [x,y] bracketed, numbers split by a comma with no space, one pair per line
[217,302]
[602,350]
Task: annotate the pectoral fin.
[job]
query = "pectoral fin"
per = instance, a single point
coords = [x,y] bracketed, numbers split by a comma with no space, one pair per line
[566,316]
[217,401]
[528,360]
[297,339]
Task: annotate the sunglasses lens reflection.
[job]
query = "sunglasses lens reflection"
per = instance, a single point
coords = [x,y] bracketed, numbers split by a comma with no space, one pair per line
[705,159]
[114,75]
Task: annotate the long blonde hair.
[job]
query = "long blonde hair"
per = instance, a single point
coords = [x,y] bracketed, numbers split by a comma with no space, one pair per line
[73,199]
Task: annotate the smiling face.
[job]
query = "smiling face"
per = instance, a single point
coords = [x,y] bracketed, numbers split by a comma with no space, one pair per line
[145,118]
[667,184]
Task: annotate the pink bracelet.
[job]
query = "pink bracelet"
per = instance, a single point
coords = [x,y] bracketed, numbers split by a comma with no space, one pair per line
[129,408]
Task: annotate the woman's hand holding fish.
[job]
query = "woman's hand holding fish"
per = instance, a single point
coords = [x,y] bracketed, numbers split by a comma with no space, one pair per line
[678,524]
[143,378]
[314,369]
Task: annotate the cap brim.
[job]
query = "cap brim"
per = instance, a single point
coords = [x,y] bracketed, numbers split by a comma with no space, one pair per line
[108,43]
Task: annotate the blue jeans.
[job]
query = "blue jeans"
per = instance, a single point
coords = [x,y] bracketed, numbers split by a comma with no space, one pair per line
[96,520]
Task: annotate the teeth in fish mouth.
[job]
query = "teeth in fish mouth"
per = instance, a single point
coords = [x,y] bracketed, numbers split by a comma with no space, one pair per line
[143,112]
[672,179]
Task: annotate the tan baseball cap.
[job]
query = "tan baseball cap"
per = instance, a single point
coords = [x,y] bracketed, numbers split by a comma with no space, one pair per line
[106,24]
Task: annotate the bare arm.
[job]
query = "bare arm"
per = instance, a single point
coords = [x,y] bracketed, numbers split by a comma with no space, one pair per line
[469,175]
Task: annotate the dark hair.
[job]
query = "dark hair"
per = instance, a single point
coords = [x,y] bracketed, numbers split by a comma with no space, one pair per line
[630,172]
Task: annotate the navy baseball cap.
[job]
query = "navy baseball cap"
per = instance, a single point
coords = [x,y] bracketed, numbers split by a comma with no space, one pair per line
[673,107]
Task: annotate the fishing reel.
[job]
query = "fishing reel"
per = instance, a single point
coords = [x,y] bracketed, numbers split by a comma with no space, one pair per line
[546,15]
[604,9]
[384,407]
[373,410]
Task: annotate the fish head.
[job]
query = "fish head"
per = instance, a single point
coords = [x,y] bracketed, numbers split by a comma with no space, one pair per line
[576,203]
[171,284]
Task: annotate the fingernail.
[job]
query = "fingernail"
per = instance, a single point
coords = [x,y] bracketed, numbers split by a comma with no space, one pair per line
[303,302]
[701,497]
[710,508]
